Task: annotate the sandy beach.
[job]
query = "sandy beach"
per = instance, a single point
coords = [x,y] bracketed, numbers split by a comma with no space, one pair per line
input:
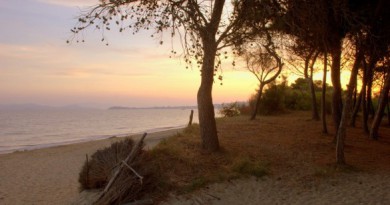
[49,176]
[300,170]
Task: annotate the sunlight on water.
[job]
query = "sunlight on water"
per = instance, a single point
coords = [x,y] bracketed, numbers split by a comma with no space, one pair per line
[32,129]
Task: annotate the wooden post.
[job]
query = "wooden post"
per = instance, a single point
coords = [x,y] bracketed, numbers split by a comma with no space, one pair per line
[191,116]
[87,175]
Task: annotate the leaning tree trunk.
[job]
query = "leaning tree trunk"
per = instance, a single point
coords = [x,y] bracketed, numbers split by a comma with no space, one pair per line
[342,127]
[356,108]
[207,124]
[381,108]
[309,79]
[323,96]
[337,102]
[256,109]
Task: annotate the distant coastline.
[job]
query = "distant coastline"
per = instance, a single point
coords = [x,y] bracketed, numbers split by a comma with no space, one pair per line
[159,107]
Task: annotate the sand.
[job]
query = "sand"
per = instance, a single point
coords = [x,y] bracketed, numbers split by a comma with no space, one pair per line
[298,166]
[49,176]
[349,189]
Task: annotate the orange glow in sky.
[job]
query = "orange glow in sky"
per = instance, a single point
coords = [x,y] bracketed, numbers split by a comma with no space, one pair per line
[37,66]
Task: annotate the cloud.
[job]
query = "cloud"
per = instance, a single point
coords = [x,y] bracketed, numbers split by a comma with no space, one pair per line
[71,3]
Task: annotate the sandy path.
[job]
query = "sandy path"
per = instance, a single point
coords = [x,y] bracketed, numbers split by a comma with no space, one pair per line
[348,189]
[49,176]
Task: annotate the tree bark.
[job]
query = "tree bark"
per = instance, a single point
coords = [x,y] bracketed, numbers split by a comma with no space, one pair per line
[364,100]
[315,115]
[309,79]
[370,106]
[388,111]
[356,108]
[261,87]
[381,108]
[337,103]
[342,127]
[207,124]
[323,96]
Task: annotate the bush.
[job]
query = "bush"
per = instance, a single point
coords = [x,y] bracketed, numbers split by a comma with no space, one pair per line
[278,98]
[248,167]
[97,171]
[230,110]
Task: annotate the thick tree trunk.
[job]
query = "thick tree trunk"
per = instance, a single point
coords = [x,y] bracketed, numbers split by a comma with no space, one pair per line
[342,127]
[260,92]
[207,124]
[323,96]
[381,108]
[337,103]
[355,111]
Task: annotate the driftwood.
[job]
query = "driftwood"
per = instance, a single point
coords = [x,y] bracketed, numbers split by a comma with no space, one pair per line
[130,158]
[191,116]
[138,175]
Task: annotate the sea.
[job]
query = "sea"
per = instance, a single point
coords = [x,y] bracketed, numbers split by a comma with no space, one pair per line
[27,129]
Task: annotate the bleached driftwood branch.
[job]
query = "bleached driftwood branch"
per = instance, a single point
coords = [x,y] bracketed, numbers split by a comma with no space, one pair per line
[130,158]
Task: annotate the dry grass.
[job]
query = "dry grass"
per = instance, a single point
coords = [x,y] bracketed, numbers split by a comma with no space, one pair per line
[289,146]
[186,167]
[285,146]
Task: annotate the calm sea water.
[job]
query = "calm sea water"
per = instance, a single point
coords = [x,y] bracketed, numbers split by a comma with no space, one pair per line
[33,129]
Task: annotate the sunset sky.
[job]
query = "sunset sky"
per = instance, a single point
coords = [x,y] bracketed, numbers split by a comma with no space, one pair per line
[37,66]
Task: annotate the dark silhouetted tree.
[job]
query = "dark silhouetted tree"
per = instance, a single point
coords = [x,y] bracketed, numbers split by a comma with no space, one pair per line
[203,26]
[263,61]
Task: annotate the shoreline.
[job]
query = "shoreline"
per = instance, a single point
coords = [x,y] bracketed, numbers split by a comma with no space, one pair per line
[29,177]
[26,148]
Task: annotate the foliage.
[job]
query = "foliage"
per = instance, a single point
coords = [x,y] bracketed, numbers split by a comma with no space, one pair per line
[272,101]
[205,29]
[230,109]
[278,98]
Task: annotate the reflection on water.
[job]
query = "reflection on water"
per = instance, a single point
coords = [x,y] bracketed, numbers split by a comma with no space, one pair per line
[31,129]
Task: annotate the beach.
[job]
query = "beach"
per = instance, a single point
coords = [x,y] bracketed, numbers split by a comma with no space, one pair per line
[49,175]
[300,171]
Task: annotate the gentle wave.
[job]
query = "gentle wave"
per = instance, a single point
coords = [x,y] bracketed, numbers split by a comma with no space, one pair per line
[28,130]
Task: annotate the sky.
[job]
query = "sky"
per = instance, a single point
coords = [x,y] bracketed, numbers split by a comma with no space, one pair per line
[38,66]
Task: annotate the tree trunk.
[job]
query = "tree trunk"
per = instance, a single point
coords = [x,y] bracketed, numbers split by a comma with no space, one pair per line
[342,127]
[337,103]
[315,115]
[381,108]
[309,79]
[364,101]
[207,124]
[323,96]
[261,87]
[355,111]
[370,106]
[388,111]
